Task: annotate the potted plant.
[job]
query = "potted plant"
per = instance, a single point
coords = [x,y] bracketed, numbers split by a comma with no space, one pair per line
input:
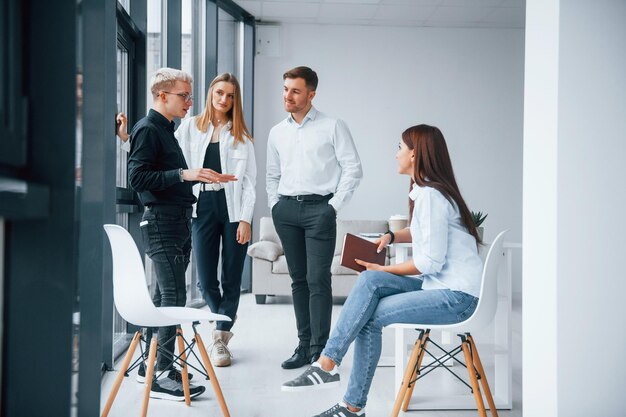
[479,218]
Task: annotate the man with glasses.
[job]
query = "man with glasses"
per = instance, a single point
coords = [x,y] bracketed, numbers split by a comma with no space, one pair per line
[157,171]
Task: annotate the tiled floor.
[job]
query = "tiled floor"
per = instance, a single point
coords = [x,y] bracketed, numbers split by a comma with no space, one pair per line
[264,336]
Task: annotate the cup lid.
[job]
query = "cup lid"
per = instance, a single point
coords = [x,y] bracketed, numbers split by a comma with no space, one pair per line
[399,217]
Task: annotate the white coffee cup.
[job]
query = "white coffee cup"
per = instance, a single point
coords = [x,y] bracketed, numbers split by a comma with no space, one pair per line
[398,222]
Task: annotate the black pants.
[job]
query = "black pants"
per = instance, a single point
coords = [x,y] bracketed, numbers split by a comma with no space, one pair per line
[167,238]
[211,227]
[308,231]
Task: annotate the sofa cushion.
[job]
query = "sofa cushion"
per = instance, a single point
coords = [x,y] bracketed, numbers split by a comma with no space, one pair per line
[337,269]
[267,231]
[279,266]
[266,249]
[358,226]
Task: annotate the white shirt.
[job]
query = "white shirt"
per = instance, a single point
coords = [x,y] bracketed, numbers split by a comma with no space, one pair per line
[236,159]
[443,250]
[239,161]
[315,157]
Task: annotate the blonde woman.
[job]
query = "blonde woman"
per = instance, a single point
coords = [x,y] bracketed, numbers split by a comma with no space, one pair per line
[218,139]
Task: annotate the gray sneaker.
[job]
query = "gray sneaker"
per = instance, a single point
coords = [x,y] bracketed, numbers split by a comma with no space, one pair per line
[313,378]
[341,410]
[169,389]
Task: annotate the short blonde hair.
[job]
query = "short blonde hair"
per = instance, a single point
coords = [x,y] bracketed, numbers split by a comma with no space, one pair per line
[165,78]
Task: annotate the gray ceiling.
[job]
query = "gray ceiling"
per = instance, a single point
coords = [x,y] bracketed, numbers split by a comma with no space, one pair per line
[429,13]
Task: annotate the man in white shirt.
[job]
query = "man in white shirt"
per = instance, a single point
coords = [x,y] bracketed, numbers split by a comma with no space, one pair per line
[313,169]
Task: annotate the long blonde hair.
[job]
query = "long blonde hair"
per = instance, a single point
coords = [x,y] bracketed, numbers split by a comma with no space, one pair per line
[235,114]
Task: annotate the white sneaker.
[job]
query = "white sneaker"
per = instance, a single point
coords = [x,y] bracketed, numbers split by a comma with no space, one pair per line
[220,354]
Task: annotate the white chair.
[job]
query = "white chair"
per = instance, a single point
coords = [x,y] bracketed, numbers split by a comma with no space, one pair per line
[134,304]
[482,316]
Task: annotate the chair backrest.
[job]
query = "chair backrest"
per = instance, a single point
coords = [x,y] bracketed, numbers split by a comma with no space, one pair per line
[130,291]
[488,301]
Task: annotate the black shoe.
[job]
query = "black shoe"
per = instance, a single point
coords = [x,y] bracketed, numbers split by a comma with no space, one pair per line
[315,357]
[169,389]
[173,374]
[298,360]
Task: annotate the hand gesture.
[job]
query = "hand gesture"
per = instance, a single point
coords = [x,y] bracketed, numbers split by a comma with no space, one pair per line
[369,266]
[122,126]
[383,241]
[244,232]
[206,175]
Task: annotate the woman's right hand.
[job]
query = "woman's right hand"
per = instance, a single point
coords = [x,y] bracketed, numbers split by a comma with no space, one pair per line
[382,242]
[122,126]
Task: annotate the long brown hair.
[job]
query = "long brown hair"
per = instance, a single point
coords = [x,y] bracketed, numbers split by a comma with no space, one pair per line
[235,114]
[433,168]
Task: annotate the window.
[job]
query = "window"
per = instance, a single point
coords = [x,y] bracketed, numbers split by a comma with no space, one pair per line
[228,44]
[154,44]
[12,136]
[187,52]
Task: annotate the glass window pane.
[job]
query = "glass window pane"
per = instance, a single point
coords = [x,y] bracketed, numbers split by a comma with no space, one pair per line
[154,44]
[122,106]
[187,56]
[126,5]
[227,47]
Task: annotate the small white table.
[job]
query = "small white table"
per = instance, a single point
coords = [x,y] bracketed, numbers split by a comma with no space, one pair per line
[498,353]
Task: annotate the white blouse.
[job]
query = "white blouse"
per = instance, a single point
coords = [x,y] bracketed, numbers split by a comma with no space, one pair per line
[443,250]
[238,160]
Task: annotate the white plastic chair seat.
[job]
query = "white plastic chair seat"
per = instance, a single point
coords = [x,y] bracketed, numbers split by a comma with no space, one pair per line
[130,291]
[134,304]
[480,318]
[487,301]
[189,315]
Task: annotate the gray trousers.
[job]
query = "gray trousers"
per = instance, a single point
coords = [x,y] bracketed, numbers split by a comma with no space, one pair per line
[308,231]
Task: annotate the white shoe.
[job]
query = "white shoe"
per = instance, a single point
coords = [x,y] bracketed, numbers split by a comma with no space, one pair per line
[220,354]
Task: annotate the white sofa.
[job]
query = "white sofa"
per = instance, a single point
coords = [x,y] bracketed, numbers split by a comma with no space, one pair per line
[270,275]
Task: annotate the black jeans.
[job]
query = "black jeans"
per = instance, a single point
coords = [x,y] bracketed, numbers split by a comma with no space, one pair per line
[308,231]
[167,238]
[209,229]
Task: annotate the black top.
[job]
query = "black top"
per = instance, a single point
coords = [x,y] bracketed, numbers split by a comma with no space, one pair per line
[155,162]
[212,157]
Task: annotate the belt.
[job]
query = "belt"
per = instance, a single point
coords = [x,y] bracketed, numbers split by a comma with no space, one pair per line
[307,197]
[172,210]
[214,186]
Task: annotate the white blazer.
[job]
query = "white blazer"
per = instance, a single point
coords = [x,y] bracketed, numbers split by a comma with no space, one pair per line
[236,159]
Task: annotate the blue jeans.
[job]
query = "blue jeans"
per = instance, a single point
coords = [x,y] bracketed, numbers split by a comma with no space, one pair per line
[377,300]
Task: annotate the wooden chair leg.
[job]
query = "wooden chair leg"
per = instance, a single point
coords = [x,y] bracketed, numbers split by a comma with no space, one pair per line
[184,371]
[409,393]
[149,375]
[480,405]
[408,372]
[483,377]
[212,376]
[120,375]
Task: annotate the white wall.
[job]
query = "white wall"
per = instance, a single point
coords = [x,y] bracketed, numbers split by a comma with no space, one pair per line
[381,80]
[591,280]
[581,309]
[539,344]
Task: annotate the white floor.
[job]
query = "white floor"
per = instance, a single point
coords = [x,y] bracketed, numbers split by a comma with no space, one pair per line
[265,335]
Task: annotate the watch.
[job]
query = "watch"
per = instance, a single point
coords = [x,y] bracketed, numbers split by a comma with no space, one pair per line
[393,236]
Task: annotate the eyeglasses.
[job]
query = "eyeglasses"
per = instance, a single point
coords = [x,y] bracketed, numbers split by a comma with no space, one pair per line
[184,96]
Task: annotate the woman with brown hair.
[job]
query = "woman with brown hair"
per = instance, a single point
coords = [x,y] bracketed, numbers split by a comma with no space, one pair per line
[440,285]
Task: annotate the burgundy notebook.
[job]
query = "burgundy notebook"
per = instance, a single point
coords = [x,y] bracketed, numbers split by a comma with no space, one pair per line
[355,247]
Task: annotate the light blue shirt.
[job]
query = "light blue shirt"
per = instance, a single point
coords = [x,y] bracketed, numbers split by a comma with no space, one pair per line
[443,250]
[317,156]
